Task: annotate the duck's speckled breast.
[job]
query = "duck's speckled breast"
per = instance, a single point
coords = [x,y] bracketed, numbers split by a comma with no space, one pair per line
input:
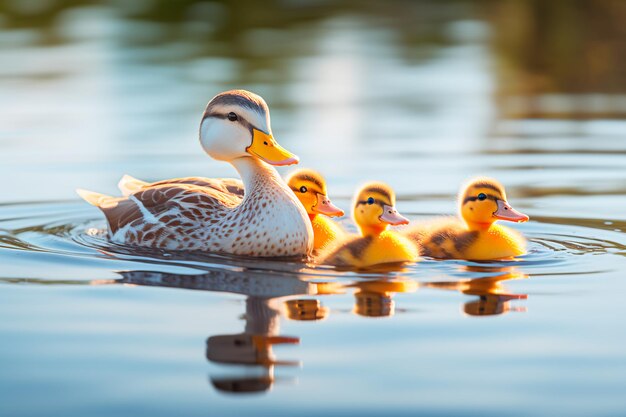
[269,222]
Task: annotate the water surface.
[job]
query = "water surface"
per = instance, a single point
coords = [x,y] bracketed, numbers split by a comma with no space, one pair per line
[419,95]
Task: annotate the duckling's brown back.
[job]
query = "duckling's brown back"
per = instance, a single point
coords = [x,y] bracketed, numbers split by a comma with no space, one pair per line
[446,238]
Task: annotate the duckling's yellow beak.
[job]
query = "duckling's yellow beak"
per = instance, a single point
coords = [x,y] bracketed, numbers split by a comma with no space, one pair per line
[391,216]
[266,148]
[506,212]
[326,207]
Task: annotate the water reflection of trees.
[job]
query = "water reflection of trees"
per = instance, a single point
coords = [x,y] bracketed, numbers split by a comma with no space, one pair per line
[259,35]
[549,55]
[552,55]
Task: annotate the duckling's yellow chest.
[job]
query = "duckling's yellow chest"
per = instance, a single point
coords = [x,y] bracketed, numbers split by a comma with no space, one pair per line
[498,242]
[325,232]
[387,247]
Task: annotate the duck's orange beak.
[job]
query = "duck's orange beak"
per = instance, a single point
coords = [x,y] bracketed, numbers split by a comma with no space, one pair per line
[391,216]
[266,148]
[506,212]
[326,207]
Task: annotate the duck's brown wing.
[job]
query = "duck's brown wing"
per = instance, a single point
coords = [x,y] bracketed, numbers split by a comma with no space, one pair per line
[169,204]
[224,185]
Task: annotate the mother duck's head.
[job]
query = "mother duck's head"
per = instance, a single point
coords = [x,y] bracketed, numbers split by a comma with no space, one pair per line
[236,124]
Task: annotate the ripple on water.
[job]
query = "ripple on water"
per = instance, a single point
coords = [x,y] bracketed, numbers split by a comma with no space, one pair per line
[77,233]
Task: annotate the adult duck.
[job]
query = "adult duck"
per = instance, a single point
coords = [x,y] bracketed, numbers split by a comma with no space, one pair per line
[475,235]
[260,217]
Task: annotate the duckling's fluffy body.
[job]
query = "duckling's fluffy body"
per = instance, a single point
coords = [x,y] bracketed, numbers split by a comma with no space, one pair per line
[310,188]
[373,211]
[217,215]
[364,251]
[325,232]
[475,237]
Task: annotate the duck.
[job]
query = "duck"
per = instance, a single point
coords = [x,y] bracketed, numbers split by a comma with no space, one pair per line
[473,235]
[373,211]
[258,216]
[309,186]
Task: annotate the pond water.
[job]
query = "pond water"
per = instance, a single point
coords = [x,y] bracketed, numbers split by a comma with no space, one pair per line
[420,95]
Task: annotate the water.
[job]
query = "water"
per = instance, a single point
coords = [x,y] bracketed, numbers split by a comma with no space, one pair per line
[416,95]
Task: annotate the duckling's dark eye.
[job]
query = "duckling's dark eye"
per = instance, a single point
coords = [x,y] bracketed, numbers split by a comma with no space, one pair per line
[303,189]
[232,117]
[370,201]
[482,196]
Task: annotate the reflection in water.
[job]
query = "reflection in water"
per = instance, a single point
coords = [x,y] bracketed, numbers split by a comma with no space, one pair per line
[306,310]
[265,304]
[493,298]
[264,307]
[252,347]
[375,298]
[578,70]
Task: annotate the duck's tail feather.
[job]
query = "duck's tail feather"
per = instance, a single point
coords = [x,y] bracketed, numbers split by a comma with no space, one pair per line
[129,185]
[119,211]
[97,199]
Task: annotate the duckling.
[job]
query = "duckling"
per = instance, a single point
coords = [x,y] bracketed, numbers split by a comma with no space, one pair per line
[374,210]
[260,217]
[310,188]
[481,203]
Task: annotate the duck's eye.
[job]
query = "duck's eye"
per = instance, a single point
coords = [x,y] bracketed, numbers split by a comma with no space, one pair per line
[482,196]
[370,201]
[232,117]
[303,189]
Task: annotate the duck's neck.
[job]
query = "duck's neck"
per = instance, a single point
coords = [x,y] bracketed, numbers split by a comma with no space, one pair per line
[255,174]
[478,226]
[371,230]
[262,316]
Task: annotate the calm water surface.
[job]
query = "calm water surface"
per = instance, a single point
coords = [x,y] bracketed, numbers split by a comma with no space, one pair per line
[416,96]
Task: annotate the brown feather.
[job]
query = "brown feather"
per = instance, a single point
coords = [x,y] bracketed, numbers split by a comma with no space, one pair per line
[224,185]
[355,248]
[160,198]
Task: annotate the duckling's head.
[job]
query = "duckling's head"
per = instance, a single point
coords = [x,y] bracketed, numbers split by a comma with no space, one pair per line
[310,188]
[483,201]
[236,124]
[374,208]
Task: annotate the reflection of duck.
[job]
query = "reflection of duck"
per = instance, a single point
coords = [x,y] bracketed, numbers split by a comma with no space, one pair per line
[374,210]
[481,203]
[264,306]
[310,188]
[215,214]
[374,298]
[252,347]
[493,298]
